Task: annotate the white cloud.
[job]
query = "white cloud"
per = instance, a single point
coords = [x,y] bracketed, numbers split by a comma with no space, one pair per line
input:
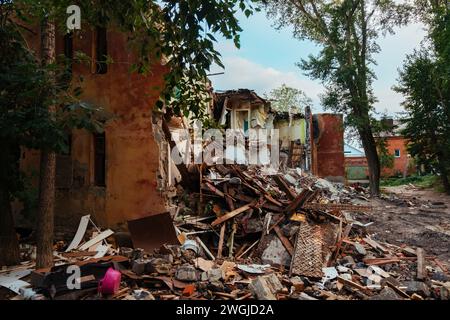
[243,73]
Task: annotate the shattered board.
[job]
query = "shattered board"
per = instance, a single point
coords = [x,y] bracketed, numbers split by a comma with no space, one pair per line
[307,259]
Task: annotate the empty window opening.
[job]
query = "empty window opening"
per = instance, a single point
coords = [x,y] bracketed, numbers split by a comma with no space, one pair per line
[102,51]
[397,153]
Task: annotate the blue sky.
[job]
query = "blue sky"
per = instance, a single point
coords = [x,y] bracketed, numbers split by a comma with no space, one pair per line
[267,59]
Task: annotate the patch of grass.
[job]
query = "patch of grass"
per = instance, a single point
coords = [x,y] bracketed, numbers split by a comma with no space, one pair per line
[428,181]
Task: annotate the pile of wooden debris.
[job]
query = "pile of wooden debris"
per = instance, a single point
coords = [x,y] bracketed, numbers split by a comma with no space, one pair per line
[244,234]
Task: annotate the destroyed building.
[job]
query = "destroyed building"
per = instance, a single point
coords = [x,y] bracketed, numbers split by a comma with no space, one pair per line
[314,143]
[233,232]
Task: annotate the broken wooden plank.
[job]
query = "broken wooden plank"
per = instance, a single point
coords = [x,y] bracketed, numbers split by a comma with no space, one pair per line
[78,254]
[440,265]
[421,271]
[282,184]
[355,285]
[399,291]
[337,207]
[380,261]
[248,249]
[105,234]
[205,248]
[285,241]
[221,239]
[374,244]
[265,205]
[228,198]
[84,221]
[209,186]
[232,214]
[300,200]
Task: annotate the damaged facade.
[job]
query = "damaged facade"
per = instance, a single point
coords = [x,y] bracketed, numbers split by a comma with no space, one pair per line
[314,143]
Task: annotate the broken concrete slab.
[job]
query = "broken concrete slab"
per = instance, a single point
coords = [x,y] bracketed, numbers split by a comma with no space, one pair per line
[276,253]
[186,273]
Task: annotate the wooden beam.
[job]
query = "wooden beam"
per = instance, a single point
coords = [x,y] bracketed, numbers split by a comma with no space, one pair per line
[105,234]
[421,271]
[337,206]
[286,243]
[221,239]
[247,250]
[232,214]
[399,291]
[281,182]
[355,285]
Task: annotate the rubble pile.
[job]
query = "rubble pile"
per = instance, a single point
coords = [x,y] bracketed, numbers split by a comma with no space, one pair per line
[244,234]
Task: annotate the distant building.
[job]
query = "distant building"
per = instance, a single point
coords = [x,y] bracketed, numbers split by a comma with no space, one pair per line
[396,146]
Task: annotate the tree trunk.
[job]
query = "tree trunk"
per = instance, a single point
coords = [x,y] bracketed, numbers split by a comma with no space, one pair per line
[45,219]
[9,244]
[373,161]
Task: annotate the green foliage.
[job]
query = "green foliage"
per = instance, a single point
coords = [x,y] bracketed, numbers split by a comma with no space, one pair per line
[37,105]
[386,159]
[288,99]
[346,31]
[427,105]
[424,82]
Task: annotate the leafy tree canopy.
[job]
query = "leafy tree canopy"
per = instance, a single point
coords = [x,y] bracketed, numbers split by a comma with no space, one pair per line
[288,99]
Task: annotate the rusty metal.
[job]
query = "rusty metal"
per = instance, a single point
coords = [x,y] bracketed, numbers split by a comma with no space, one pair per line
[307,259]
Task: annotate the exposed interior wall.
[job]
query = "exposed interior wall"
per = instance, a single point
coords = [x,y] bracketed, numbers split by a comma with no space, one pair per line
[297,131]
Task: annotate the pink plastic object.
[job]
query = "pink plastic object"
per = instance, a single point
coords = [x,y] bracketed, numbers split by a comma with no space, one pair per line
[110,283]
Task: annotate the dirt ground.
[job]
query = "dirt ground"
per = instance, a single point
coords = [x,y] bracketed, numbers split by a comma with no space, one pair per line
[412,216]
